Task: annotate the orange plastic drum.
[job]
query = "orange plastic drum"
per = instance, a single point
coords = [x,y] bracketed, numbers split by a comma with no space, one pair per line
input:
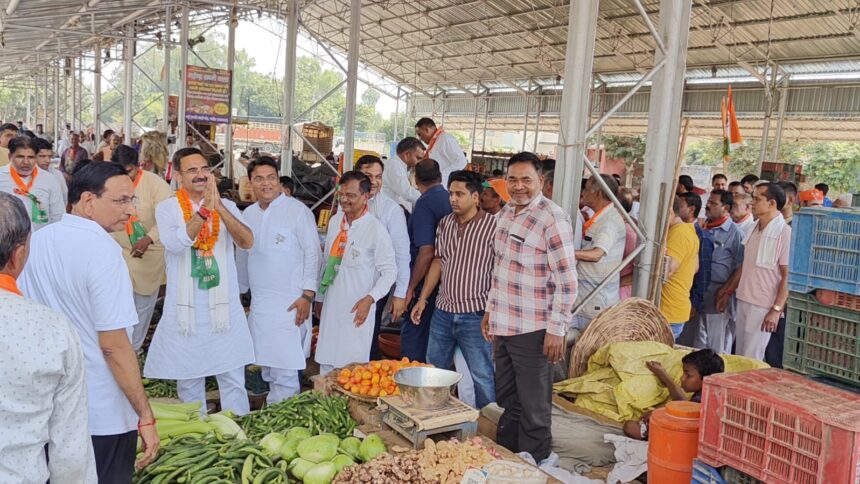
[673,441]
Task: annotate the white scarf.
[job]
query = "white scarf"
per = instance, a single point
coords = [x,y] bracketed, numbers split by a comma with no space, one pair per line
[771,243]
[219,300]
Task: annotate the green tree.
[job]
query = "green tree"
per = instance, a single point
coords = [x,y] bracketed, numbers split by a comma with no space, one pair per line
[631,149]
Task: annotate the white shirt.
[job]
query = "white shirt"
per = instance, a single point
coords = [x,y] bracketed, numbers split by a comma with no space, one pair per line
[368,267]
[64,187]
[608,234]
[174,356]
[448,153]
[76,268]
[46,189]
[747,226]
[392,217]
[44,397]
[395,183]
[283,263]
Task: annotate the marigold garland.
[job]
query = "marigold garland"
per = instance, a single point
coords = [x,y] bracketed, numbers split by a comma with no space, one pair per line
[208,234]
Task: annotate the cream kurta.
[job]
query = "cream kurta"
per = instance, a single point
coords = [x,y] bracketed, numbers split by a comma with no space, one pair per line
[47,190]
[283,263]
[368,267]
[174,356]
[147,272]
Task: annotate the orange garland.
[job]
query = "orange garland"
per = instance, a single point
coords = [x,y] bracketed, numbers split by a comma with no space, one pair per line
[208,234]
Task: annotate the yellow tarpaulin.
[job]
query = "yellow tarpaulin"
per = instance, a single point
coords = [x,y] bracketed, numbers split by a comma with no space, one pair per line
[619,386]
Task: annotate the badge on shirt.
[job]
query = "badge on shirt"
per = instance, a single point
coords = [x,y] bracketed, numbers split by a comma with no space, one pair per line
[279,238]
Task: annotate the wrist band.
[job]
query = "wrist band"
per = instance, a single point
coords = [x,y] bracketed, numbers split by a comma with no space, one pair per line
[140,425]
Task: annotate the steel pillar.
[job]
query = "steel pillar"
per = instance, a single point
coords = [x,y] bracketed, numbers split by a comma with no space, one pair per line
[783,101]
[45,103]
[56,106]
[128,89]
[165,83]
[537,117]
[474,128]
[74,97]
[290,87]
[97,91]
[576,108]
[664,125]
[183,62]
[27,116]
[486,119]
[396,112]
[231,58]
[351,84]
[526,120]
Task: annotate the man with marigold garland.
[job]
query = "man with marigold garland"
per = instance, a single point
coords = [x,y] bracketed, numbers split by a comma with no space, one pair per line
[203,330]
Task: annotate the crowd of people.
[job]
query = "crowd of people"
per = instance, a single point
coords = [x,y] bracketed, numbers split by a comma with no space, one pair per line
[482,273]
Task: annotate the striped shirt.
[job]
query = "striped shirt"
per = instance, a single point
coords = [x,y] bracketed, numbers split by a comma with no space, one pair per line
[466,253]
[534,280]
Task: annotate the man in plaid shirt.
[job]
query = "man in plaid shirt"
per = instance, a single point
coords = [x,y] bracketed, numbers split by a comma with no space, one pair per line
[529,306]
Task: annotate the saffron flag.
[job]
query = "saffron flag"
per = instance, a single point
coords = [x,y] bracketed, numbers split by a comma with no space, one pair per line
[732,138]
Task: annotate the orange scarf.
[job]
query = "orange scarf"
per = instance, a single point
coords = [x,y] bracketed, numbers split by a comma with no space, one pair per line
[7,283]
[21,188]
[588,223]
[712,224]
[432,143]
[130,224]
[335,257]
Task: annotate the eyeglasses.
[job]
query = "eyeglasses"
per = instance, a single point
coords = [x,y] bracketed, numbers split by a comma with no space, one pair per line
[260,179]
[196,171]
[125,201]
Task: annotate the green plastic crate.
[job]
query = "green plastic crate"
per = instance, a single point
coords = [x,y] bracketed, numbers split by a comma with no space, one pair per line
[821,339]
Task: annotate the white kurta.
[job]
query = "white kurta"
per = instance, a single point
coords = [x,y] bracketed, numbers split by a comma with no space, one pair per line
[392,217]
[283,263]
[367,267]
[395,183]
[449,154]
[174,356]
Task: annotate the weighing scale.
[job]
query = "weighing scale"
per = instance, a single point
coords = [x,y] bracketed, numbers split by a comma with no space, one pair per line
[456,420]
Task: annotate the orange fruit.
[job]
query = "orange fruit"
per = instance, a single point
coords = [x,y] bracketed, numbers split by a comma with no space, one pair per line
[404,360]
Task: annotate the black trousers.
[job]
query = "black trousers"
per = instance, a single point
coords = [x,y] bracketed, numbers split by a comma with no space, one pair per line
[414,338]
[776,345]
[524,390]
[115,457]
[377,326]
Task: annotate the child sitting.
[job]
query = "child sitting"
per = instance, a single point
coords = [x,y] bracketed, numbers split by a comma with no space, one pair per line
[697,365]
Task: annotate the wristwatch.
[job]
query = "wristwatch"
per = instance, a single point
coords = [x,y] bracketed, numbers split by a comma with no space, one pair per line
[777,308]
[307,297]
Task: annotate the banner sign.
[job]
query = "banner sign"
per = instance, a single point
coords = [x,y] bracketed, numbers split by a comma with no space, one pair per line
[207,95]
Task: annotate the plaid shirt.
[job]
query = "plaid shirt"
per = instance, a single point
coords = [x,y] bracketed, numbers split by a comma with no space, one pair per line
[534,281]
[703,276]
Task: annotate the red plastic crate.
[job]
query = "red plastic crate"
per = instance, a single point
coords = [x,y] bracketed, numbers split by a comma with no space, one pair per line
[838,299]
[780,427]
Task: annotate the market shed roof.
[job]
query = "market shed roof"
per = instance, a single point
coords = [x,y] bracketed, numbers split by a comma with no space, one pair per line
[445,45]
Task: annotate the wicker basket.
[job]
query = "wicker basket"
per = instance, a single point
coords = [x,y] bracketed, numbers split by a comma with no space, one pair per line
[634,319]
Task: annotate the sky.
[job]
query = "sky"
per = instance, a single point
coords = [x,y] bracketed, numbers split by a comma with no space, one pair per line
[261,40]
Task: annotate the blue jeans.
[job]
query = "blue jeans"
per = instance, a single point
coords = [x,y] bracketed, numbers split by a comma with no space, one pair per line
[449,330]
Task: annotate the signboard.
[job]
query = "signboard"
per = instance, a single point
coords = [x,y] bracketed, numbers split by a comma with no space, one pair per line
[207,94]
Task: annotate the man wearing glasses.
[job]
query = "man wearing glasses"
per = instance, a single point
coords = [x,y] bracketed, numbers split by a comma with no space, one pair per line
[76,268]
[203,330]
[141,246]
